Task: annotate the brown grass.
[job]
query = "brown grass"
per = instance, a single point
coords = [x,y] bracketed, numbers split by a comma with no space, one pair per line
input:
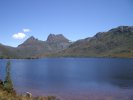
[4,95]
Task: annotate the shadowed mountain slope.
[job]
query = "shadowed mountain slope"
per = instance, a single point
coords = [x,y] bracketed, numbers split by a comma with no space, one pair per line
[117,42]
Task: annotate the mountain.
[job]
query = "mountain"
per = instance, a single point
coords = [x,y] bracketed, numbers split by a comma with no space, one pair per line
[117,42]
[33,47]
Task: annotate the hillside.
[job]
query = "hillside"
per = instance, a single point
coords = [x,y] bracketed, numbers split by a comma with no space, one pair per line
[7,52]
[117,42]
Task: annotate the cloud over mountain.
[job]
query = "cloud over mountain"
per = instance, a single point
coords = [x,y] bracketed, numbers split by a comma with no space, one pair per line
[19,36]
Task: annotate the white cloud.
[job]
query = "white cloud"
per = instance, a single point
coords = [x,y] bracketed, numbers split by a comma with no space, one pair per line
[26,30]
[19,36]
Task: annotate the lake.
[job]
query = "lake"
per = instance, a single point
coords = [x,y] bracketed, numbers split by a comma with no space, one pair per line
[73,78]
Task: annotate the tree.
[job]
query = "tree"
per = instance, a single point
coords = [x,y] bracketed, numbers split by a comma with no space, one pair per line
[8,85]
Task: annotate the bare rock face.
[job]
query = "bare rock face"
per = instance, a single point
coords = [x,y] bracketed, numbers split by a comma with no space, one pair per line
[57,38]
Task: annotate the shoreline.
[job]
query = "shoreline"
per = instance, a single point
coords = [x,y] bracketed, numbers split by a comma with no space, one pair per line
[120,94]
[66,57]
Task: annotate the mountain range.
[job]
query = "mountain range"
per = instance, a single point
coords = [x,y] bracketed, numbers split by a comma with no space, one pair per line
[32,47]
[117,42]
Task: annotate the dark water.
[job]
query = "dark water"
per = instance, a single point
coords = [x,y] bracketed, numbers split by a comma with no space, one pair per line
[71,75]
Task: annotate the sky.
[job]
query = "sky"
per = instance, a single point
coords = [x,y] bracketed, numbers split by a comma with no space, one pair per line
[75,19]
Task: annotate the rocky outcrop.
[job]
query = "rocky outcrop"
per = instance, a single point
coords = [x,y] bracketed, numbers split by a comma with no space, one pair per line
[52,38]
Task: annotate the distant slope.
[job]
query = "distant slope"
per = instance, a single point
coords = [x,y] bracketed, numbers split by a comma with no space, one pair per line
[117,42]
[7,52]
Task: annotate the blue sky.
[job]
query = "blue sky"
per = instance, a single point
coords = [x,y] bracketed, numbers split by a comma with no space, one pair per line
[75,19]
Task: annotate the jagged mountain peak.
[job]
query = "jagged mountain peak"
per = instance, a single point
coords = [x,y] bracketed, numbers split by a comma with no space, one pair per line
[32,38]
[30,41]
[57,38]
[33,46]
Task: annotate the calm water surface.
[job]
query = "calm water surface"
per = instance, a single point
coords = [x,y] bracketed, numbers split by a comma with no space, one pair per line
[73,76]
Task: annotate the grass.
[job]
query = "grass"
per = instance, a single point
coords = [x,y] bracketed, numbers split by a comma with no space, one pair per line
[6,95]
